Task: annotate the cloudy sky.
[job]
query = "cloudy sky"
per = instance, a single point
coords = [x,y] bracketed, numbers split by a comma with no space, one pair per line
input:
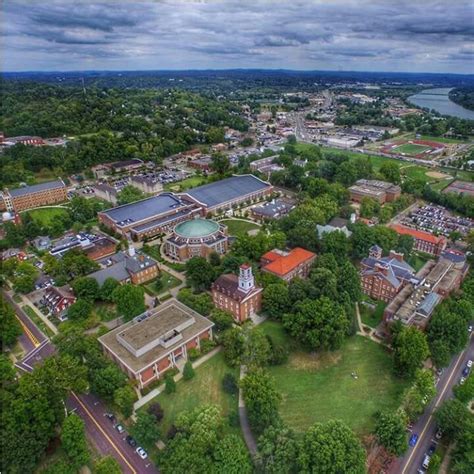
[377,35]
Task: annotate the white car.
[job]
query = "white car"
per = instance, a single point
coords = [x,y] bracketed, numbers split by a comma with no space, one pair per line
[141,452]
[469,363]
[463,379]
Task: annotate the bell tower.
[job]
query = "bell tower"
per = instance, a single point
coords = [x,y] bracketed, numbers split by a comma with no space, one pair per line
[246,280]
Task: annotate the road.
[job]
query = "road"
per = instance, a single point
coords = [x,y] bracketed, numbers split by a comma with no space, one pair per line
[99,430]
[425,427]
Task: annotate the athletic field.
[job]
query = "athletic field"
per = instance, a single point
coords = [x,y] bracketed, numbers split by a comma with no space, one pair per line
[410,149]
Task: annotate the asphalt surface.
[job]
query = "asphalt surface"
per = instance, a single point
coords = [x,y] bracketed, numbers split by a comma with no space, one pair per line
[426,427]
[99,429]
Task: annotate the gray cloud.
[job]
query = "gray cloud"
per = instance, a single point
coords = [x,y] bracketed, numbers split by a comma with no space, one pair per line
[340,34]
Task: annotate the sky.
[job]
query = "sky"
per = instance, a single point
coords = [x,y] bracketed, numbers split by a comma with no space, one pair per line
[352,35]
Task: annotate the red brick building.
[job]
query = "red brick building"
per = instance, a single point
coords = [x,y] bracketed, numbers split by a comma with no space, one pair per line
[238,294]
[58,300]
[156,341]
[424,241]
[288,265]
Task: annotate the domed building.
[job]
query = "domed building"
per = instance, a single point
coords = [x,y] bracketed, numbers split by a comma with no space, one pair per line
[196,238]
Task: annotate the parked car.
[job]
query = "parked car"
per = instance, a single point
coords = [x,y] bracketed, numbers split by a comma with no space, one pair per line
[462,380]
[110,416]
[120,428]
[413,440]
[131,441]
[426,461]
[439,434]
[469,363]
[465,371]
[432,449]
[141,452]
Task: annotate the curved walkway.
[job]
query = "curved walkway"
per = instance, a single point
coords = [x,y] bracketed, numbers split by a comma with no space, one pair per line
[244,421]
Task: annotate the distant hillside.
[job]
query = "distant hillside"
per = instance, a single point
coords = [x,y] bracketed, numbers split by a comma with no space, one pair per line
[463,96]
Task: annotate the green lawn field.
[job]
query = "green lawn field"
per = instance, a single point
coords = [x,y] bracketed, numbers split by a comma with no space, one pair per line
[410,149]
[204,389]
[187,183]
[372,317]
[236,226]
[46,215]
[167,281]
[317,387]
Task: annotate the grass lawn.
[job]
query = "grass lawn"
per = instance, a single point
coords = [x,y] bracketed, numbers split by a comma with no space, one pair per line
[372,317]
[166,282]
[46,216]
[204,389]
[411,148]
[417,260]
[236,226]
[319,387]
[187,183]
[37,320]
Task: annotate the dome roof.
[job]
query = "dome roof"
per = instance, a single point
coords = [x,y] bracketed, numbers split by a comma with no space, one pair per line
[196,228]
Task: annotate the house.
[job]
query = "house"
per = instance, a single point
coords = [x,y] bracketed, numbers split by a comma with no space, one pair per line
[238,294]
[424,241]
[126,165]
[336,224]
[58,300]
[204,163]
[381,191]
[382,278]
[288,265]
[275,209]
[156,341]
[127,268]
[100,248]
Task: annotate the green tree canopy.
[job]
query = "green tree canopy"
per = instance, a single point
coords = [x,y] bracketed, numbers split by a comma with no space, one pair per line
[73,440]
[390,432]
[130,300]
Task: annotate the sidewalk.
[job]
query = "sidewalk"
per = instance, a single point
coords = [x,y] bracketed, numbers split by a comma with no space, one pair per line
[244,422]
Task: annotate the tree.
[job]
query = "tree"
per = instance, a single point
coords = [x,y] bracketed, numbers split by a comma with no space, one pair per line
[214,259]
[105,381]
[324,283]
[261,399]
[107,465]
[276,300]
[419,394]
[331,448]
[230,455]
[336,243]
[130,194]
[278,449]
[146,429]
[222,319]
[320,323]
[348,280]
[410,350]
[10,328]
[130,300]
[465,392]
[25,277]
[229,384]
[124,398]
[200,273]
[80,310]
[452,417]
[347,173]
[463,452]
[170,384]
[157,411]
[188,371]
[390,432]
[405,245]
[391,172]
[86,288]
[107,289]
[369,207]
[74,442]
[220,163]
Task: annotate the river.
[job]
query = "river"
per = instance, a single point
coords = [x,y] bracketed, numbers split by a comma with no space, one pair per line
[438,99]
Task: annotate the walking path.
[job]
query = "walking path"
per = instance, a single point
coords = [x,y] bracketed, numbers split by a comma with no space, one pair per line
[156,391]
[244,422]
[367,331]
[40,315]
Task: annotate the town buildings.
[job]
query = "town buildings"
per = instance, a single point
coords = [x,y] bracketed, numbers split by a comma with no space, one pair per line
[274,209]
[424,241]
[381,191]
[58,300]
[337,224]
[152,343]
[29,197]
[238,294]
[127,268]
[415,304]
[196,237]
[148,184]
[382,278]
[288,265]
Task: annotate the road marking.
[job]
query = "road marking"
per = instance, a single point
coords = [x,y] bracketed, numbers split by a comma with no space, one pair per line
[435,406]
[104,433]
[28,333]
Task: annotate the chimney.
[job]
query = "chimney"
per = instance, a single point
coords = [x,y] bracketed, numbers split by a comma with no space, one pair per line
[396,255]
[131,250]
[381,268]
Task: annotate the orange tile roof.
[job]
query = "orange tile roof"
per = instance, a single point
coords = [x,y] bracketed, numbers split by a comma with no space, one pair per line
[271,256]
[286,263]
[416,234]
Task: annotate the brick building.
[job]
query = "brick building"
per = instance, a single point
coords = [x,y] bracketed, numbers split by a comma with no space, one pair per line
[238,294]
[382,278]
[58,300]
[288,265]
[152,343]
[424,241]
[381,191]
[29,197]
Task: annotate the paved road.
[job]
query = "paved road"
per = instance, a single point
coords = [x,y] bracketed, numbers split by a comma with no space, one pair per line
[99,429]
[426,425]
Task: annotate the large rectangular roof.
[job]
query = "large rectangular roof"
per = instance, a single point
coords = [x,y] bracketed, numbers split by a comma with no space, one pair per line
[227,190]
[145,209]
[35,188]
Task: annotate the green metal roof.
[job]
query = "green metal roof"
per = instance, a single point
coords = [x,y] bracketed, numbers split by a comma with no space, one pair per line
[196,228]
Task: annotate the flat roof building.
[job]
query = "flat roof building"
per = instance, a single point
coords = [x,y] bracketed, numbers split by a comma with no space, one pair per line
[381,191]
[156,341]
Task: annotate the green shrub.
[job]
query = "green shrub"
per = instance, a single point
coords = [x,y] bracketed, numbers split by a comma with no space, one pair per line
[229,384]
[170,384]
[193,354]
[207,345]
[188,371]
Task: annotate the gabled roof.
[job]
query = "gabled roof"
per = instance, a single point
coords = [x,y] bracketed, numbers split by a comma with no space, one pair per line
[281,265]
[36,188]
[416,234]
[229,284]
